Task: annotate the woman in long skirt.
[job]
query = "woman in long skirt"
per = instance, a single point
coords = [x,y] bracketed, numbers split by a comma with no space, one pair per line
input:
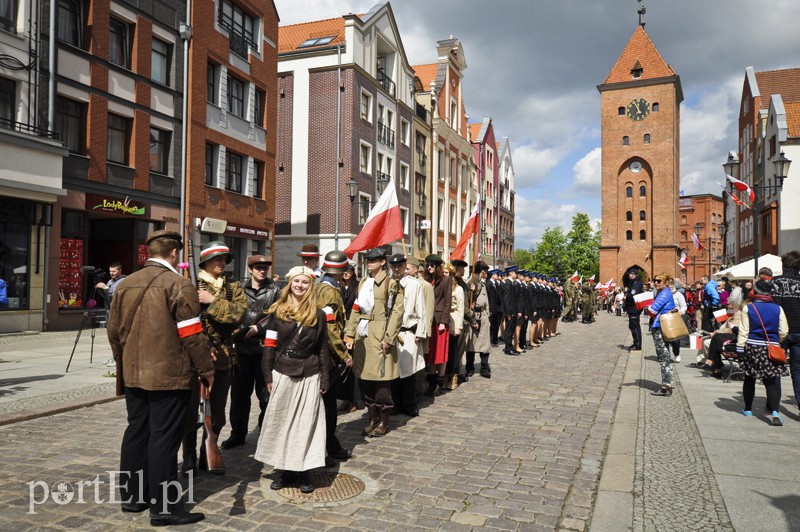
[296,371]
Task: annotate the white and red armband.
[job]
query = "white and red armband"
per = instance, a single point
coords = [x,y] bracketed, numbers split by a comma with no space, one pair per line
[189,327]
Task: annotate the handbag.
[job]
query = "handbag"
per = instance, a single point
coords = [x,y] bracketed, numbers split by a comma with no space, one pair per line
[672,326]
[775,352]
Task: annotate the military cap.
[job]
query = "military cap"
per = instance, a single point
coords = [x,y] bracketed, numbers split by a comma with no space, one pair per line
[433,259]
[309,250]
[511,269]
[217,248]
[335,262]
[414,261]
[458,263]
[376,253]
[257,259]
[494,271]
[397,258]
[165,234]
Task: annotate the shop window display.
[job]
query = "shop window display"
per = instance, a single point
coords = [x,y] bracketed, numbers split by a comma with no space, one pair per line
[14,253]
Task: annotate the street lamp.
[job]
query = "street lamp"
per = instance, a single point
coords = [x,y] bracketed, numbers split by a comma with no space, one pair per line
[697,228]
[781,172]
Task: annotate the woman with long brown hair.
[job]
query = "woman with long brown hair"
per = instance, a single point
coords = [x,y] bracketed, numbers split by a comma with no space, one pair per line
[440,332]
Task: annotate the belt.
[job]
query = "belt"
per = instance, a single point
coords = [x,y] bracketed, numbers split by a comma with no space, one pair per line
[408,329]
[291,353]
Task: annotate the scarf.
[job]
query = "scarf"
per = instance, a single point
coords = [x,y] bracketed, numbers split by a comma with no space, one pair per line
[365,302]
[762,297]
[210,280]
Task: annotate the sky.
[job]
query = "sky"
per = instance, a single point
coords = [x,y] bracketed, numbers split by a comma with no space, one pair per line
[534,66]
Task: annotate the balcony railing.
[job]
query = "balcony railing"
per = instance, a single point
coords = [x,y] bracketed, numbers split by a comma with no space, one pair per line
[238,43]
[19,127]
[386,82]
[385,135]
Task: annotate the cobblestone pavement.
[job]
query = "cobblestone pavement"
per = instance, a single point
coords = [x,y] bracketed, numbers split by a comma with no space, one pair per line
[674,487]
[520,451]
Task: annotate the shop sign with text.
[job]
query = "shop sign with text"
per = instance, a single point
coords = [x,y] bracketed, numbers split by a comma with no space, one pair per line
[123,207]
[245,231]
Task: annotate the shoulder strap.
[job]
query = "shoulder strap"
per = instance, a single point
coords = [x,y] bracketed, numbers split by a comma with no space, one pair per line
[766,336]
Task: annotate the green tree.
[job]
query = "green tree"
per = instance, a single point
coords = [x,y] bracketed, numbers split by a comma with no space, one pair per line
[549,257]
[583,246]
[523,258]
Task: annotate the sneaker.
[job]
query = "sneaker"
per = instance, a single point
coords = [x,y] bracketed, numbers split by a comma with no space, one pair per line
[776,419]
[746,413]
[678,358]
[110,362]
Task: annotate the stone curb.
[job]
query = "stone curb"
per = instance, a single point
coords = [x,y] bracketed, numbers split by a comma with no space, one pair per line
[59,408]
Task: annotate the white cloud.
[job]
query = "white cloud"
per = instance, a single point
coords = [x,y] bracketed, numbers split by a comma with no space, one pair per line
[533,216]
[587,175]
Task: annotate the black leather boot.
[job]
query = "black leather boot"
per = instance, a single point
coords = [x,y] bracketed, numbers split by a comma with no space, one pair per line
[374,418]
[486,371]
[431,390]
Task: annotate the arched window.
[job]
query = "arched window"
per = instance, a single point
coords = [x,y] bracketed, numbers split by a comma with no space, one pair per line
[647,138]
[683,219]
[684,236]
[629,191]
[629,216]
[642,191]
[621,111]
[642,235]
[629,235]
[654,107]
[626,140]
[642,215]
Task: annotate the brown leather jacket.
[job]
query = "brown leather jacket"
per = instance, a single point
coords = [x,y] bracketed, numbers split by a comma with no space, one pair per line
[154,356]
[313,340]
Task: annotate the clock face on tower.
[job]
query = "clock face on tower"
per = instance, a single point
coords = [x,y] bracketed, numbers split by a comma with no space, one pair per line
[638,109]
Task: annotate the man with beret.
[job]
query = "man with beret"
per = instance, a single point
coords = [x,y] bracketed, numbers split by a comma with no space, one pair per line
[309,255]
[223,306]
[156,336]
[371,332]
[412,331]
[261,293]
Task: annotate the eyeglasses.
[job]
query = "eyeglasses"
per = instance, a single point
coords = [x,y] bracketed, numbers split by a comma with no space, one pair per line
[658,280]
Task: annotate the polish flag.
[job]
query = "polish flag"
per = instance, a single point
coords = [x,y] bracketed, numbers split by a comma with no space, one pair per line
[741,186]
[591,279]
[384,224]
[470,229]
[684,261]
[721,315]
[696,241]
[696,341]
[575,277]
[645,299]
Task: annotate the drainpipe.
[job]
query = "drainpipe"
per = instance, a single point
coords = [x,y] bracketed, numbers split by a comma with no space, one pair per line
[338,142]
[186,35]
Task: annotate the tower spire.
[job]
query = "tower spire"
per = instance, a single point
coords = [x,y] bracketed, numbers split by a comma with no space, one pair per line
[642,10]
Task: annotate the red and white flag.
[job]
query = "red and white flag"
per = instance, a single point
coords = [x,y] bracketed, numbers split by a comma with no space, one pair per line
[645,299]
[591,279]
[721,315]
[696,241]
[575,277]
[683,261]
[384,224]
[741,186]
[470,229]
[696,341]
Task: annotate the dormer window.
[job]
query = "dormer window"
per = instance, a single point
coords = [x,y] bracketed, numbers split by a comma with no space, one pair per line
[316,41]
[636,71]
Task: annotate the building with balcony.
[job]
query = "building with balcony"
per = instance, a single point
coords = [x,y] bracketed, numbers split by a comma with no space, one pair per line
[232,136]
[346,111]
[505,205]
[420,202]
[31,173]
[484,144]
[701,214]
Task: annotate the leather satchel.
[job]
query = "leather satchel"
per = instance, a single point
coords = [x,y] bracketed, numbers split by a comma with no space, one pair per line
[672,326]
[775,352]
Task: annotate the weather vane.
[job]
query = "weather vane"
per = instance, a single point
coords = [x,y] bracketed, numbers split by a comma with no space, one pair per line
[642,10]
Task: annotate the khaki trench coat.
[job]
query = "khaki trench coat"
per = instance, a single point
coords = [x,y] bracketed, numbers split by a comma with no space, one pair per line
[479,340]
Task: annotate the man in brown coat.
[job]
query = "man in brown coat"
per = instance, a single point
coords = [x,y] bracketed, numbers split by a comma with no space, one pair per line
[154,328]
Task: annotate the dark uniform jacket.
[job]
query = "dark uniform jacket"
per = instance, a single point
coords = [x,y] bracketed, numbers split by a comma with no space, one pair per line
[508,296]
[258,302]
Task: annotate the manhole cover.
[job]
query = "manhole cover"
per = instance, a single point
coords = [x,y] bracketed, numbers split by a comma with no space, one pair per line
[329,486]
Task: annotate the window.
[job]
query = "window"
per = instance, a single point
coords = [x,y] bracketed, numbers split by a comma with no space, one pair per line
[70,22]
[364,204]
[317,41]
[258,107]
[119,138]
[626,140]
[642,235]
[235,96]
[642,191]
[629,192]
[8,15]
[654,107]
[621,111]
[71,124]
[647,138]
[119,43]
[211,166]
[365,158]
[403,176]
[404,219]
[241,27]
[452,218]
[404,132]
[256,178]
[642,216]
[8,102]
[366,106]
[15,265]
[684,236]
[440,165]
[453,172]
[683,219]
[233,173]
[629,235]
[160,62]
[453,114]
[440,214]
[159,151]
[629,216]
[212,83]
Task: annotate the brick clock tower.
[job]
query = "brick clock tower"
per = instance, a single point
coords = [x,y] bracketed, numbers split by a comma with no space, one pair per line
[640,107]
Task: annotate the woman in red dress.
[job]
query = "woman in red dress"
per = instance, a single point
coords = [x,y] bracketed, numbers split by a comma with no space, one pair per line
[436,359]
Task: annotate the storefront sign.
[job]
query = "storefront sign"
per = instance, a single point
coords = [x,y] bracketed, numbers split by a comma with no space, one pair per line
[212,225]
[123,207]
[246,231]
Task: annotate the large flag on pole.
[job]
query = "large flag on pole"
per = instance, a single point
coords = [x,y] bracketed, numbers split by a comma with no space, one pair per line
[384,224]
[696,241]
[470,229]
[575,277]
[742,187]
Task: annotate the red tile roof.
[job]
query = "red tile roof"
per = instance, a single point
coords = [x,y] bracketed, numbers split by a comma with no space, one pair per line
[784,82]
[793,118]
[426,74]
[640,52]
[474,130]
[290,37]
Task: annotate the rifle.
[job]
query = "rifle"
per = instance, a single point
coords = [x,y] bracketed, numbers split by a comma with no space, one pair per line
[216,465]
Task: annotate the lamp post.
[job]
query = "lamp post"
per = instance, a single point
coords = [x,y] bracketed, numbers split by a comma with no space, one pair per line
[697,228]
[781,169]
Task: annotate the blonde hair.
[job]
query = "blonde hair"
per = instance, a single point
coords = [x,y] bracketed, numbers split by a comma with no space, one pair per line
[304,314]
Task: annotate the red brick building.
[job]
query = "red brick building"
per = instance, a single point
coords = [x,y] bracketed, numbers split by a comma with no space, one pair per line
[701,214]
[640,120]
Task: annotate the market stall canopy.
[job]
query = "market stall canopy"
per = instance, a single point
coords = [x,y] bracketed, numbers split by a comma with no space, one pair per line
[745,270]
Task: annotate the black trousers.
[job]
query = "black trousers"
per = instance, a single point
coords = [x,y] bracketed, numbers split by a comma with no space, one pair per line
[635,325]
[246,376]
[508,338]
[404,392]
[376,393]
[494,326]
[150,448]
[219,398]
[331,410]
[453,355]
[523,332]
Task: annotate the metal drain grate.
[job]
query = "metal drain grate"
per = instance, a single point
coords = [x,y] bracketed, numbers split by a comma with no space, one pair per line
[329,487]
